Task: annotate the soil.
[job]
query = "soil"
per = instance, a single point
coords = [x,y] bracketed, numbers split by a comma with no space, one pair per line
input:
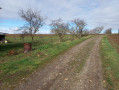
[79,68]
[114,40]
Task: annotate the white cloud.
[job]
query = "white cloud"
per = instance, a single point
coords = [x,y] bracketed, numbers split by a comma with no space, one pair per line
[16,31]
[44,32]
[95,12]
[6,30]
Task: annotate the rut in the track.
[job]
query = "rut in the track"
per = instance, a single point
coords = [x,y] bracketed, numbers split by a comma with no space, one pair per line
[90,77]
[64,72]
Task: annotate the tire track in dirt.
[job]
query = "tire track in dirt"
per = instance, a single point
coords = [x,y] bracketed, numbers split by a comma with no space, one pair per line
[68,77]
[62,73]
[91,75]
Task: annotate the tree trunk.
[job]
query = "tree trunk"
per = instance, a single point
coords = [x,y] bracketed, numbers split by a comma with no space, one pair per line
[79,36]
[61,39]
[32,39]
[81,33]
[73,38]
[23,39]
[51,39]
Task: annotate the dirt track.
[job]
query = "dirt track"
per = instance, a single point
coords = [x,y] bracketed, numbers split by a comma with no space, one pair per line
[77,69]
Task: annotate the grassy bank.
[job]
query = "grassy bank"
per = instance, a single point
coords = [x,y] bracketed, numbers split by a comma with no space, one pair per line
[14,68]
[110,62]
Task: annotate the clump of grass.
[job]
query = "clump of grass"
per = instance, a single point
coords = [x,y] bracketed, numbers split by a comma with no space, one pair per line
[110,62]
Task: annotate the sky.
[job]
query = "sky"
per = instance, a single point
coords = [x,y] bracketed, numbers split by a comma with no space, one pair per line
[94,12]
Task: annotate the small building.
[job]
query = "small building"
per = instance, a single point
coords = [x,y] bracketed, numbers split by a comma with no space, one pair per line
[2,37]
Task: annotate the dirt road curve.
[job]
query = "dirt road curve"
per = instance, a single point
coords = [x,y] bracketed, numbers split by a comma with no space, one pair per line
[77,69]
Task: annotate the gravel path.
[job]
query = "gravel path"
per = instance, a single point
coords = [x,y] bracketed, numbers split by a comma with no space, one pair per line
[91,75]
[66,72]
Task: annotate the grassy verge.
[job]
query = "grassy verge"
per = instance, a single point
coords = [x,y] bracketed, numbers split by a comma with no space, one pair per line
[110,61]
[14,68]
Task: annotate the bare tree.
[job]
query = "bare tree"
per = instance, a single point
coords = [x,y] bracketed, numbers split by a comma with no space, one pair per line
[23,34]
[79,26]
[108,31]
[33,20]
[86,32]
[97,30]
[59,28]
[72,31]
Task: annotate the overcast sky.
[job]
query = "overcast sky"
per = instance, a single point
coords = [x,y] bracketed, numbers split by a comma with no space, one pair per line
[94,12]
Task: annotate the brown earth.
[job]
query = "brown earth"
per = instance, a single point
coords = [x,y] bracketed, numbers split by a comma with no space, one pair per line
[114,40]
[77,69]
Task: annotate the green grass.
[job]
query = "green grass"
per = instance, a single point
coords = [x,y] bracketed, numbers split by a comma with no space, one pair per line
[42,39]
[110,62]
[17,43]
[14,68]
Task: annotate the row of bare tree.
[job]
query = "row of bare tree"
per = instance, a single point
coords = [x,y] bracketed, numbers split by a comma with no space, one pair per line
[34,21]
[75,28]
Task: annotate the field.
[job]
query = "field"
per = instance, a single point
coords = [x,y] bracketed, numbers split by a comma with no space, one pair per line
[16,42]
[13,68]
[114,40]
[110,61]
